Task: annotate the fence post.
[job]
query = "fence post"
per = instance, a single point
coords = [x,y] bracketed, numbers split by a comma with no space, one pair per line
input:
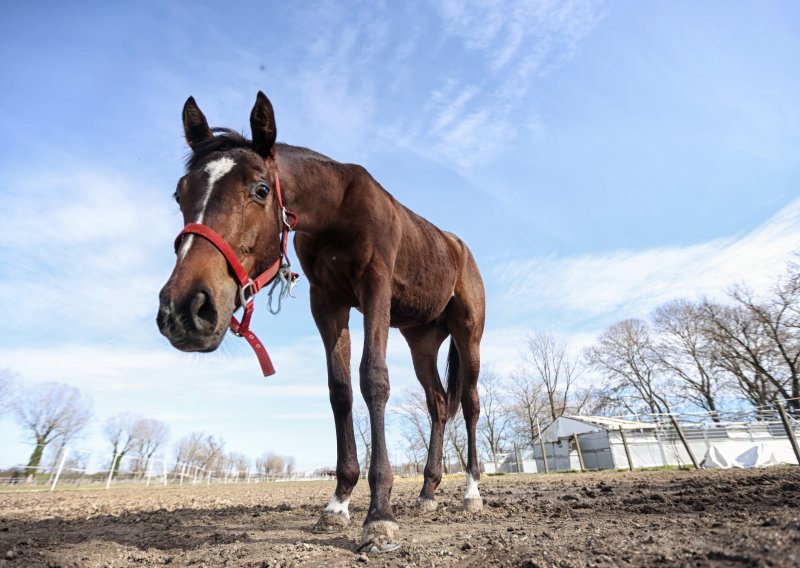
[627,449]
[789,432]
[580,454]
[111,471]
[544,450]
[683,440]
[60,467]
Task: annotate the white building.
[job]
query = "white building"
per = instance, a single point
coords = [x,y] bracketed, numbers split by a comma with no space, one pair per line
[651,444]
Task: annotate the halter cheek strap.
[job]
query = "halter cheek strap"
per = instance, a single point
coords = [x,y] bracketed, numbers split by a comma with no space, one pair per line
[249,287]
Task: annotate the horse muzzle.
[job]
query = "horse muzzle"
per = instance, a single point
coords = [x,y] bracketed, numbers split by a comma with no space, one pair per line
[191,322]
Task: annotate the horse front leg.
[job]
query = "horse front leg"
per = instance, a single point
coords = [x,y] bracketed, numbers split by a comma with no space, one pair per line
[380,526]
[332,323]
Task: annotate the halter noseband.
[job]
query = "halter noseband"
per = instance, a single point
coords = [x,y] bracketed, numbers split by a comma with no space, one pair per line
[249,287]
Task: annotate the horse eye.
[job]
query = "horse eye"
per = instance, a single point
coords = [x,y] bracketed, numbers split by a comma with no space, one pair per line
[261,191]
[176,197]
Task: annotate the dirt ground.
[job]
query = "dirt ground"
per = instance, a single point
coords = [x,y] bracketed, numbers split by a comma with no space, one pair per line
[666,518]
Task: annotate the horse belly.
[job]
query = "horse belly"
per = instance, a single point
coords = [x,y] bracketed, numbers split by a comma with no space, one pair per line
[418,301]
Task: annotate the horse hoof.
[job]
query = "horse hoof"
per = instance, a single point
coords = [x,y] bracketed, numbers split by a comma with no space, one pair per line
[426,505]
[379,536]
[331,522]
[473,505]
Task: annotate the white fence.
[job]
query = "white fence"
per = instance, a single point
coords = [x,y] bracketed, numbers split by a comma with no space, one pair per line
[129,471]
[727,439]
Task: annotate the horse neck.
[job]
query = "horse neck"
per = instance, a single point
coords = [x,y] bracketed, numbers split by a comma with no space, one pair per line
[310,188]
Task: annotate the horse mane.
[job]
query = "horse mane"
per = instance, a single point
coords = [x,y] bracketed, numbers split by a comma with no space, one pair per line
[225,139]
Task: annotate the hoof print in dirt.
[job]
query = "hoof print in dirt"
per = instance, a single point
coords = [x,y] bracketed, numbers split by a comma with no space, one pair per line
[379,536]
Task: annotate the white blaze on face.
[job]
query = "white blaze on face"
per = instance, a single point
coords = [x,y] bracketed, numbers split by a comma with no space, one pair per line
[215,170]
[338,507]
[472,489]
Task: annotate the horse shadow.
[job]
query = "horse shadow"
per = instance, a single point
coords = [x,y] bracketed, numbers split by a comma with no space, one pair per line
[176,530]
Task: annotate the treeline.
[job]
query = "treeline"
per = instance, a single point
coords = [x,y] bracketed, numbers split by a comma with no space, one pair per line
[689,355]
[54,415]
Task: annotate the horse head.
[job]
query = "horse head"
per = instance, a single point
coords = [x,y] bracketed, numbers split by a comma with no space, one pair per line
[229,188]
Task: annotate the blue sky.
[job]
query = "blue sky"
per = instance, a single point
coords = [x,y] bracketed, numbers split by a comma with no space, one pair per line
[600,158]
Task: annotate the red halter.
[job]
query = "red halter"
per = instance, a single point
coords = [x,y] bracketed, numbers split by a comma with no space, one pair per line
[249,287]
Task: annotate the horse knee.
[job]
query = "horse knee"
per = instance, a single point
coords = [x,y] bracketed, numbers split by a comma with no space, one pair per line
[433,472]
[340,394]
[348,473]
[375,382]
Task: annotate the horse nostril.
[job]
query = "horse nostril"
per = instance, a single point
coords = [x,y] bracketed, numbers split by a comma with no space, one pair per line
[203,312]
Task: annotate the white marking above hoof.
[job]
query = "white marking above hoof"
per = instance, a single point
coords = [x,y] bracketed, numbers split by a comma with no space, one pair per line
[472,496]
[337,507]
[472,489]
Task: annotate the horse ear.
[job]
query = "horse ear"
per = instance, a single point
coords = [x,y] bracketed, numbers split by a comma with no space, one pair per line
[262,124]
[195,125]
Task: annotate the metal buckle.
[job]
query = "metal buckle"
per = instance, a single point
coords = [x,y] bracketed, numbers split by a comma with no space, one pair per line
[246,294]
[285,216]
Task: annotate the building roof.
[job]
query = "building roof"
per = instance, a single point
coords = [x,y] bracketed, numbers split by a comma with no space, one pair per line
[565,426]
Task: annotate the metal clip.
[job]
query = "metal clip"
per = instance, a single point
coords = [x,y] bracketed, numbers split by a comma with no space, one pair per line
[285,218]
[246,294]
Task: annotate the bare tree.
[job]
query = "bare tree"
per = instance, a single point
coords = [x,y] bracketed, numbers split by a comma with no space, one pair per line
[270,464]
[213,454]
[51,411]
[188,450]
[415,425]
[290,464]
[199,451]
[363,433]
[494,420]
[238,462]
[683,349]
[736,344]
[758,342]
[120,430]
[551,362]
[149,435]
[527,405]
[777,320]
[625,356]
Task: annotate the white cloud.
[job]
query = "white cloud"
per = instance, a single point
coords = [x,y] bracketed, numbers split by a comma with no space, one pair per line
[508,46]
[92,252]
[631,283]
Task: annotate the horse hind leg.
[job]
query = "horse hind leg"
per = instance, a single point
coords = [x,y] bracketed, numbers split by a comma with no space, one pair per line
[424,342]
[465,321]
[469,365]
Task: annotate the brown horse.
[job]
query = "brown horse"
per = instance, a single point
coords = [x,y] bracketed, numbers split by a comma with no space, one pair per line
[359,248]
